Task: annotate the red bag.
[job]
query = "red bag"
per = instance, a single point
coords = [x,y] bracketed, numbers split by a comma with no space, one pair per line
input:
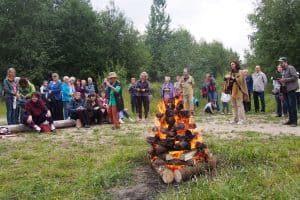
[45,128]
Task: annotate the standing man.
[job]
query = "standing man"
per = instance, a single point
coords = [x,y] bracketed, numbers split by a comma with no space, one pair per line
[249,81]
[289,81]
[259,83]
[186,84]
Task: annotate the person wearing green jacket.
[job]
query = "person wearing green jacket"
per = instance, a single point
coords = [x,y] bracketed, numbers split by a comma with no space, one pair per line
[25,91]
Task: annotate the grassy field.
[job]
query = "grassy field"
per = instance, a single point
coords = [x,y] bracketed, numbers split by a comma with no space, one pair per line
[80,164]
[2,108]
[94,163]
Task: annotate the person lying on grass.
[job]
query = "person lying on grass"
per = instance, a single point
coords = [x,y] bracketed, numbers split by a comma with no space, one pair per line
[36,113]
[78,111]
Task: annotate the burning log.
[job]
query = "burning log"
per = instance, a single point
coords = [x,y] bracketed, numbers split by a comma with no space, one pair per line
[166,174]
[178,151]
[190,171]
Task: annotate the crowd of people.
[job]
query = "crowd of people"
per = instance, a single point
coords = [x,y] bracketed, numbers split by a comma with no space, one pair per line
[239,86]
[84,102]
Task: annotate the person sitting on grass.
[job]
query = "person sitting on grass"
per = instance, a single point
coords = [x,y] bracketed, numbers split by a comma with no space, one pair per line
[124,114]
[95,114]
[36,113]
[210,107]
[78,111]
[103,103]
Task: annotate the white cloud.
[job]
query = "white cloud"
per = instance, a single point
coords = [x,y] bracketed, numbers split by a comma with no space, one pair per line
[222,20]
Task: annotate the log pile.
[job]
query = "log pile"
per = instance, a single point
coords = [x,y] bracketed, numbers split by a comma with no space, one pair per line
[177,150]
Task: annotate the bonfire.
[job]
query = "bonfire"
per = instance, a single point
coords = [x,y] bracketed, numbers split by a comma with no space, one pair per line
[177,150]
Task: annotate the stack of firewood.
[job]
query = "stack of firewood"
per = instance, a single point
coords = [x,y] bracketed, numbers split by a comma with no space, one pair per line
[177,149]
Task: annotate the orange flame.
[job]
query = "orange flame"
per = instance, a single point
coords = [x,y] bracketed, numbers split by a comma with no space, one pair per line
[175,167]
[176,154]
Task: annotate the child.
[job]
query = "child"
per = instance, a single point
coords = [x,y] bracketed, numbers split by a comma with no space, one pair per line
[124,113]
[195,102]
[36,113]
[103,104]
[78,111]
[225,98]
[210,107]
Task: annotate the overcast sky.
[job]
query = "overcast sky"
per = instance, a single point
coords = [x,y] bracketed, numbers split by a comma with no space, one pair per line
[222,20]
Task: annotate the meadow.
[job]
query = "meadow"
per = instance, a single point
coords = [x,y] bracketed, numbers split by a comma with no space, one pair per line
[99,163]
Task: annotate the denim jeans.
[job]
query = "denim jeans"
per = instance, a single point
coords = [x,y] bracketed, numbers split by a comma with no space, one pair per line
[66,109]
[10,111]
[213,96]
[281,106]
[261,96]
[291,99]
[225,106]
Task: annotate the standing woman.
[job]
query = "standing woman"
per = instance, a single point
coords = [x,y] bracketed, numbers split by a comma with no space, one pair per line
[66,95]
[167,90]
[10,93]
[235,83]
[56,104]
[115,103]
[143,89]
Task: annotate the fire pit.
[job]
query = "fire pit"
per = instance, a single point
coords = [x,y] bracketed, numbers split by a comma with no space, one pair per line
[177,149]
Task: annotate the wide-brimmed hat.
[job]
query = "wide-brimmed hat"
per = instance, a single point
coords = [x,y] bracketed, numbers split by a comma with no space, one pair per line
[112,75]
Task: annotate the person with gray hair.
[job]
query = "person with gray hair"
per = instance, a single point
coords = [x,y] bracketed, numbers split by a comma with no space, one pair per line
[259,83]
[143,91]
[167,90]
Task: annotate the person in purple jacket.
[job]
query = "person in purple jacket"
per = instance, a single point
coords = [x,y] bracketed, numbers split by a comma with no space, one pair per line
[143,89]
[54,97]
[167,90]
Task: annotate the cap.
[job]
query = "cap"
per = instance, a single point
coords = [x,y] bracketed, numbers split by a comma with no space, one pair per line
[282,59]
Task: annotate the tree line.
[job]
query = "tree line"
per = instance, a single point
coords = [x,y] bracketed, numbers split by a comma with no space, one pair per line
[276,33]
[39,37]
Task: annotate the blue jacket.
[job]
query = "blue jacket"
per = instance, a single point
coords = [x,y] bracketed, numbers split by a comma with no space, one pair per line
[65,91]
[90,88]
[249,82]
[55,89]
[8,88]
[74,104]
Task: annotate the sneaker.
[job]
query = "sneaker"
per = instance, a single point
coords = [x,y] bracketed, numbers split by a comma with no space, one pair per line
[277,115]
[37,128]
[52,127]
[131,120]
[87,126]
[233,122]
[287,123]
[293,125]
[121,121]
[240,122]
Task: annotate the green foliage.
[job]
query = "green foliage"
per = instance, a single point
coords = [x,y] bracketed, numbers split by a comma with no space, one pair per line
[277,33]
[68,37]
[158,33]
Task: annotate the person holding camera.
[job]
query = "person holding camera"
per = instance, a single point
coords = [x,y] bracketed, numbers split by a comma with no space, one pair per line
[289,83]
[277,92]
[235,84]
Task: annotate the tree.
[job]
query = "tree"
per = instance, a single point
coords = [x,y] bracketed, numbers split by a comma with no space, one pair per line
[158,33]
[277,32]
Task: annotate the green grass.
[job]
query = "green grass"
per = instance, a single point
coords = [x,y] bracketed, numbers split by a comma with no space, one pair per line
[2,108]
[86,165]
[58,166]
[251,168]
